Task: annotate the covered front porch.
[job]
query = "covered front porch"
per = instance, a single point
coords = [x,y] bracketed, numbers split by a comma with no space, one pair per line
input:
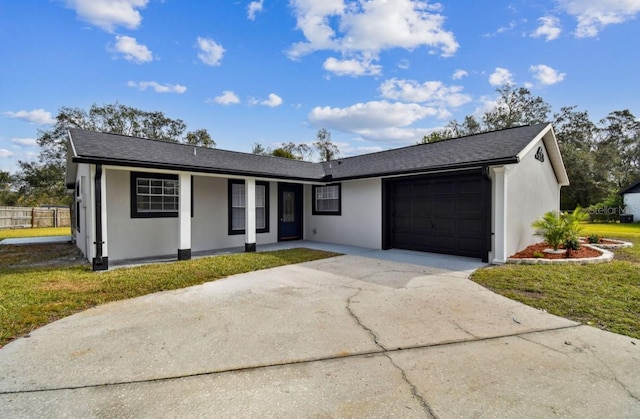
[144,214]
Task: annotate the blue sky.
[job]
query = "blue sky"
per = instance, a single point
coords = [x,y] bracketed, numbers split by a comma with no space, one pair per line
[377,74]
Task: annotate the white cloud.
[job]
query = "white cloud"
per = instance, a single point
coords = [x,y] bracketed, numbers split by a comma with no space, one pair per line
[109,14]
[6,153]
[546,75]
[394,134]
[486,103]
[377,120]
[364,29]
[458,74]
[351,67]
[36,116]
[594,15]
[211,53]
[253,8]
[347,149]
[549,28]
[434,93]
[404,64]
[500,76]
[273,101]
[131,50]
[227,98]
[312,19]
[29,142]
[511,26]
[157,87]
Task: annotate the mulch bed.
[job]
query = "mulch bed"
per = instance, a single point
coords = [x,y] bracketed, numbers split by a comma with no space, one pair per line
[583,252]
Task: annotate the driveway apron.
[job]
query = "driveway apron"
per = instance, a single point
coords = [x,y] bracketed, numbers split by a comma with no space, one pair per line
[349,336]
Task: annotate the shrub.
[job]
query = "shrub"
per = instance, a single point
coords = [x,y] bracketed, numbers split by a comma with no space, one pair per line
[572,244]
[559,228]
[594,238]
[538,254]
[551,227]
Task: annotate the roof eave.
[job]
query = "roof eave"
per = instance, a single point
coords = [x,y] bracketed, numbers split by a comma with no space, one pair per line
[72,169]
[195,169]
[427,170]
[626,190]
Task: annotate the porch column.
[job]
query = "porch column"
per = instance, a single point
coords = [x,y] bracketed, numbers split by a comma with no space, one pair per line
[250,215]
[184,217]
[500,214]
[100,260]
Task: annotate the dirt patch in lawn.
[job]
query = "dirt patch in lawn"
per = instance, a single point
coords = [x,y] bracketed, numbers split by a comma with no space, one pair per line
[40,255]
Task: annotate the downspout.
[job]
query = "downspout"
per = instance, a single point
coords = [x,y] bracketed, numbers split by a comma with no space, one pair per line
[98,262]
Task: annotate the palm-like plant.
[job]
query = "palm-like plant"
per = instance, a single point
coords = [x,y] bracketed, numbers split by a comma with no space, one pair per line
[551,227]
[558,228]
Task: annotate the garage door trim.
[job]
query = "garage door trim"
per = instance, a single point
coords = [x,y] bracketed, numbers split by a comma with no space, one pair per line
[388,185]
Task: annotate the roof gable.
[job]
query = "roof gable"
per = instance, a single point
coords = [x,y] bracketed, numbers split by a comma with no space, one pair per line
[485,149]
[634,188]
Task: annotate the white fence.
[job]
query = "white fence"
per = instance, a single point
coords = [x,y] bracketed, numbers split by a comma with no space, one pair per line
[25,217]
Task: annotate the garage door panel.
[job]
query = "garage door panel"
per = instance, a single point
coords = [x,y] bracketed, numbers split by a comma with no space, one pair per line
[403,190]
[467,186]
[444,209]
[441,187]
[444,226]
[471,205]
[440,214]
[469,226]
[421,224]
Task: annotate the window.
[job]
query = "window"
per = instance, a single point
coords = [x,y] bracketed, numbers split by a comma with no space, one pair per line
[327,200]
[154,195]
[237,205]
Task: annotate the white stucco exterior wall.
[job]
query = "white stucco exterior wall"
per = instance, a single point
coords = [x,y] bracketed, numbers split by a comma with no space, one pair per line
[532,190]
[632,205]
[210,223]
[131,238]
[142,237]
[84,236]
[361,221]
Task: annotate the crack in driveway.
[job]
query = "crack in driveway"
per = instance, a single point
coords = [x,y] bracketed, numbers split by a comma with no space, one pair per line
[414,390]
[374,337]
[380,351]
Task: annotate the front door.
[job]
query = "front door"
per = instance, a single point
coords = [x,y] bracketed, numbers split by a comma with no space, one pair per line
[289,211]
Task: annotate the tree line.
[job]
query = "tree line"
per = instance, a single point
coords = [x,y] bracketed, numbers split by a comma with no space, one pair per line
[42,182]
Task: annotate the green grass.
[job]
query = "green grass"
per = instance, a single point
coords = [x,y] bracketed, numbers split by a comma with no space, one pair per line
[604,295]
[613,230]
[34,232]
[33,297]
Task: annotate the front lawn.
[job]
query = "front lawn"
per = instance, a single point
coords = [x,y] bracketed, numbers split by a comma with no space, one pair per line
[34,232]
[31,297]
[604,295]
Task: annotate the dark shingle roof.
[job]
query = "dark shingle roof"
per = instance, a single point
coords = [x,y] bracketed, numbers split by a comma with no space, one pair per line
[488,148]
[497,147]
[634,188]
[123,150]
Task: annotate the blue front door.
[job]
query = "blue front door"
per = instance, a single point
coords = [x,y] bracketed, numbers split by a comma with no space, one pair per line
[289,211]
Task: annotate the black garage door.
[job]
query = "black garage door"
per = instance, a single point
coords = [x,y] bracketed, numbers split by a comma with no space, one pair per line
[441,214]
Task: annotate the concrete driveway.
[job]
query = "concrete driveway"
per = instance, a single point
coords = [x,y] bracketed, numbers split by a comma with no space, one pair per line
[350,336]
